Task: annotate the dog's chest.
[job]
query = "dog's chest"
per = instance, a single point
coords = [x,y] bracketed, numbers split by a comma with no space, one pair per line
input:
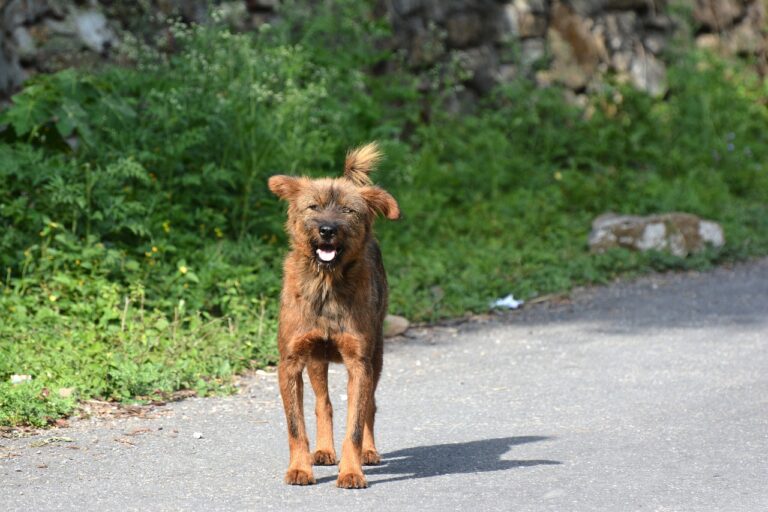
[329,309]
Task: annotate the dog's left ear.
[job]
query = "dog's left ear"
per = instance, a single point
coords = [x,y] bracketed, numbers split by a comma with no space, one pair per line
[381,202]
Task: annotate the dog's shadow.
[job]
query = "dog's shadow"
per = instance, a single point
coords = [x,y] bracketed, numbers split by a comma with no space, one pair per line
[447,459]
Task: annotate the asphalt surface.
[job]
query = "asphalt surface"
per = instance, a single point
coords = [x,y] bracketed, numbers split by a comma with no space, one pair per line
[650,395]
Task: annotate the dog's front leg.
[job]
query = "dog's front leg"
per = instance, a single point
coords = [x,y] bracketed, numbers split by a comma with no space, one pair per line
[289,370]
[325,454]
[359,389]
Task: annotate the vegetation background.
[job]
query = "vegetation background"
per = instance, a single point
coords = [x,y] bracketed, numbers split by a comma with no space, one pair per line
[140,249]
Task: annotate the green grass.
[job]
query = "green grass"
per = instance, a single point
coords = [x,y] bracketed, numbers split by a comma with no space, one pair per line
[147,258]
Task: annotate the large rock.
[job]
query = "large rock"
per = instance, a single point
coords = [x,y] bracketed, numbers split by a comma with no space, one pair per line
[733,27]
[11,74]
[576,51]
[592,7]
[481,64]
[87,28]
[649,74]
[464,29]
[678,233]
[718,15]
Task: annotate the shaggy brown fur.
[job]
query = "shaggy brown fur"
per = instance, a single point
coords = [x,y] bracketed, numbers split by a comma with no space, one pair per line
[332,310]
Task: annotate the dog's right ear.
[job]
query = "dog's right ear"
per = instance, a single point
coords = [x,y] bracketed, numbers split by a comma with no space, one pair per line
[284,187]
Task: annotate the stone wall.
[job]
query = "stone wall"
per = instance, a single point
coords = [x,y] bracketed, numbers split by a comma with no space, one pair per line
[40,36]
[570,42]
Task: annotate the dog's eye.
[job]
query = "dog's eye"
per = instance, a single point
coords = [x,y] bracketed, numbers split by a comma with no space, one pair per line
[347,210]
[313,207]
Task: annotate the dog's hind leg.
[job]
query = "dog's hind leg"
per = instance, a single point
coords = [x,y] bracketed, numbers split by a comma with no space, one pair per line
[370,454]
[325,454]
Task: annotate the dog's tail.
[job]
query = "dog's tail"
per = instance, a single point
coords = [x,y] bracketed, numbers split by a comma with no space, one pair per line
[360,162]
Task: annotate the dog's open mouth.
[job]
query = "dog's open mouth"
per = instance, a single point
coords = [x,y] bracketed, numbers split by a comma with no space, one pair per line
[327,253]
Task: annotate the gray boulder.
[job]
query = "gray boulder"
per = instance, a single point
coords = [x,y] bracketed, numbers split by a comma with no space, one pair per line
[678,233]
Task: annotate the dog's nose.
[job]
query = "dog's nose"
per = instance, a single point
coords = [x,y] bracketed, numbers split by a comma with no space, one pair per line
[327,231]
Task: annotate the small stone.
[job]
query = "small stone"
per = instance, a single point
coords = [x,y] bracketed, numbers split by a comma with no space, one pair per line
[708,41]
[426,47]
[507,73]
[197,435]
[532,51]
[480,62]
[395,325]
[655,43]
[405,7]
[531,20]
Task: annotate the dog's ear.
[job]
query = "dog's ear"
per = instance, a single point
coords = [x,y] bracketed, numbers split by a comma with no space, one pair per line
[284,187]
[381,202]
[360,163]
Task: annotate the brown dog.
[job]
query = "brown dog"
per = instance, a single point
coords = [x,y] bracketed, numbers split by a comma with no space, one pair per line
[332,310]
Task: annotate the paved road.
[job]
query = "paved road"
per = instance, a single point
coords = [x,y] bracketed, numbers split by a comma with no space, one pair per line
[651,395]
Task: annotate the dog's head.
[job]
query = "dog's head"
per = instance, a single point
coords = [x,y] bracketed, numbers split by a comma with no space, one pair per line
[330,219]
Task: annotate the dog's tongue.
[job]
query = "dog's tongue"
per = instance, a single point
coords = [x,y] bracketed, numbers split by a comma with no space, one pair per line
[326,255]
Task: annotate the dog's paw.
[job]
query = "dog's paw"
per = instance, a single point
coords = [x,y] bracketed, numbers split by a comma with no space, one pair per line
[371,457]
[351,481]
[324,458]
[299,477]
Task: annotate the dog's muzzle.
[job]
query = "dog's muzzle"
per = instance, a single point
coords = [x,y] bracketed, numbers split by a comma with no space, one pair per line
[327,250]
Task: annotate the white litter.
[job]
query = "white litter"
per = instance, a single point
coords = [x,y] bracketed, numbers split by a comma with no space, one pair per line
[508,302]
[18,379]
